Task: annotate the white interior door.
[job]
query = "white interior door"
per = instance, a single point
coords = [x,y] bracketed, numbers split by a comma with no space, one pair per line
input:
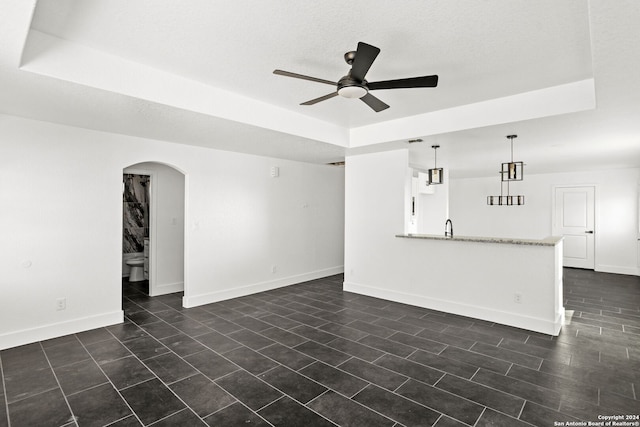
[574,220]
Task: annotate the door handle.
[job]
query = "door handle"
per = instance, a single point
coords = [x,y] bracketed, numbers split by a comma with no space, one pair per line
[589,231]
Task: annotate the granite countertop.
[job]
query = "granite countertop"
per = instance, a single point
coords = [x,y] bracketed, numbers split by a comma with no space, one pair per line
[547,241]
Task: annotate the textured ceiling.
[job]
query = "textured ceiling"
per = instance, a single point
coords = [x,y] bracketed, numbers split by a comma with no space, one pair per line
[480,50]
[209,69]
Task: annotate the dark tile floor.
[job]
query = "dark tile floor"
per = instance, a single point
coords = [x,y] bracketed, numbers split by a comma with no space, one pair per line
[313,355]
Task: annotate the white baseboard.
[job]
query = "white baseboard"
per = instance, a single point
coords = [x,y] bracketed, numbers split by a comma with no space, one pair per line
[490,314]
[616,269]
[166,288]
[189,301]
[54,330]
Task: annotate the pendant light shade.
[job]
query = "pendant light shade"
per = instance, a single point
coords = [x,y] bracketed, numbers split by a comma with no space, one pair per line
[435,175]
[510,171]
[505,200]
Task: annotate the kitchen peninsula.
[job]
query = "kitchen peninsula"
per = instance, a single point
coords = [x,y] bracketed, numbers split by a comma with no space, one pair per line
[516,282]
[509,281]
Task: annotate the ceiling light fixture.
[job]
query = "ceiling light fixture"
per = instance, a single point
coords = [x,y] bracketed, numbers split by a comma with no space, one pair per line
[511,171]
[435,175]
[350,88]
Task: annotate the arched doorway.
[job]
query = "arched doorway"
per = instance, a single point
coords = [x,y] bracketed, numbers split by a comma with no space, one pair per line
[153,227]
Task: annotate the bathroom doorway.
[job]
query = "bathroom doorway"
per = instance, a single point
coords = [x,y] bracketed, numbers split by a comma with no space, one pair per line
[161,245]
[136,197]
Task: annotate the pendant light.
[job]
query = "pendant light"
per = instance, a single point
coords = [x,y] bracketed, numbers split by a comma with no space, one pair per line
[435,175]
[510,171]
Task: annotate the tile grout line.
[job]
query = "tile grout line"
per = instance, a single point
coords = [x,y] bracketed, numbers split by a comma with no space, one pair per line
[384,351]
[506,374]
[430,407]
[356,402]
[87,389]
[75,418]
[522,409]
[501,391]
[395,390]
[118,420]
[442,351]
[440,379]
[359,391]
[474,374]
[480,417]
[293,399]
[328,390]
[28,397]
[444,373]
[221,409]
[186,408]
[411,354]
[256,411]
[502,360]
[4,392]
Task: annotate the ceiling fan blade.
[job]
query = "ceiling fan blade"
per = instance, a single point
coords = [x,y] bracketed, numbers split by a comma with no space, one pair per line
[322,98]
[425,81]
[373,102]
[365,55]
[303,77]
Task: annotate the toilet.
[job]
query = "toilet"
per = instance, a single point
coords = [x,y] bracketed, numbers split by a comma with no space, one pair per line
[136,272]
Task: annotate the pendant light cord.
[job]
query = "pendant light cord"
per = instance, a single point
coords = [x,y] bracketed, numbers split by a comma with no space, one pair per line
[511,138]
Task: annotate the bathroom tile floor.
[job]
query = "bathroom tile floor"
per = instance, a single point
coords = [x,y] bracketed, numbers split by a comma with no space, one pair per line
[313,355]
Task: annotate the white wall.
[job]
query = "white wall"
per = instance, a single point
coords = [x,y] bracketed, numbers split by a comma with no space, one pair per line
[616,212]
[377,193]
[61,222]
[433,209]
[167,227]
[242,223]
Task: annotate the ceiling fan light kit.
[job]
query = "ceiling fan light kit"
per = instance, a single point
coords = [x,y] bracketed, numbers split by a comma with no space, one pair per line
[353,85]
[354,91]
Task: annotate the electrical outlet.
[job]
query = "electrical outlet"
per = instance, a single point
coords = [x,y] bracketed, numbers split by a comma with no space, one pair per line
[517,298]
[274,268]
[61,304]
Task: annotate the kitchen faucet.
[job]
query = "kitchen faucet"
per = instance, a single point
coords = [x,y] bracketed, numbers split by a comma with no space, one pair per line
[448,228]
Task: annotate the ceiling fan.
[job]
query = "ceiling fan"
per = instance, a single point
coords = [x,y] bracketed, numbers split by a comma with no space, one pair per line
[353,85]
